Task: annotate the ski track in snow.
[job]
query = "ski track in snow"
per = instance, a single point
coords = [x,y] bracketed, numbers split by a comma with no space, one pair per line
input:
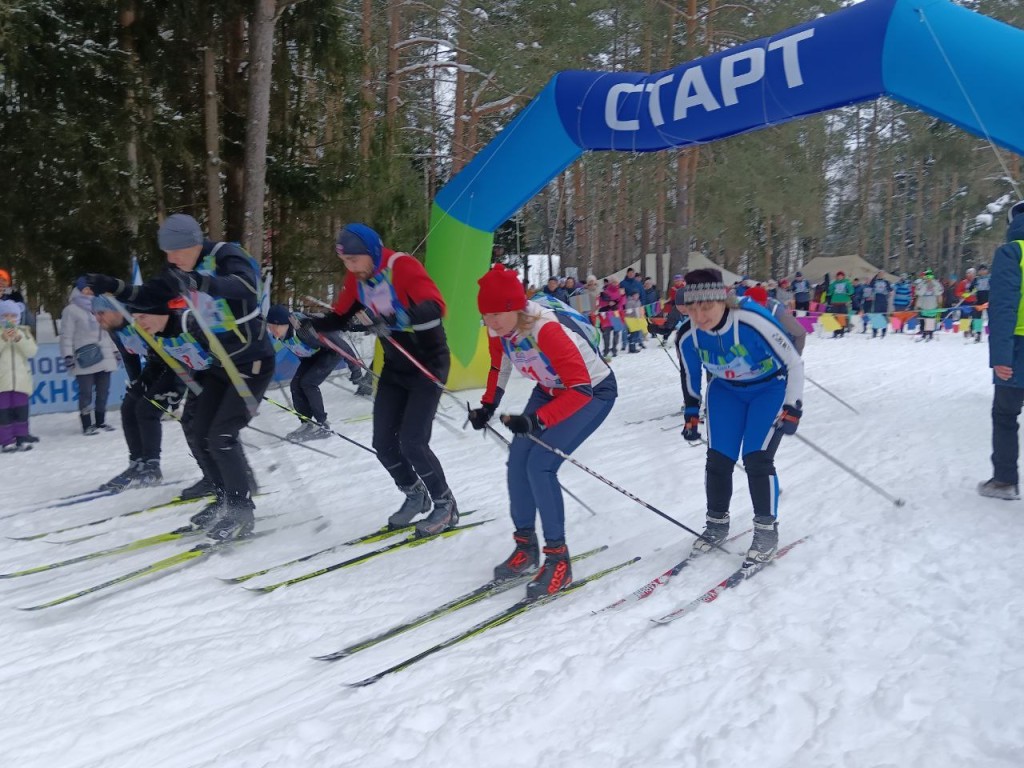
[889,638]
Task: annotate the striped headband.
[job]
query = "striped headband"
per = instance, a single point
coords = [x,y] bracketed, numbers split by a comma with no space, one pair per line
[693,294]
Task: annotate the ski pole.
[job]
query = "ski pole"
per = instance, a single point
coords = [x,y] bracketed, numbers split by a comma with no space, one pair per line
[674,363]
[831,394]
[445,391]
[896,501]
[177,418]
[504,441]
[286,439]
[292,411]
[623,491]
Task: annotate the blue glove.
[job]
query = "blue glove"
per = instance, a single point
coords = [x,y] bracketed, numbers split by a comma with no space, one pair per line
[789,419]
[691,428]
[523,423]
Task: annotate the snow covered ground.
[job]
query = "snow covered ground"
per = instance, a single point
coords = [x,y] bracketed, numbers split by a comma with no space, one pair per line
[890,638]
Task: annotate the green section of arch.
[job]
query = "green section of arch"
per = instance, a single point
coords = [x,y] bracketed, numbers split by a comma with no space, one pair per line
[457,256]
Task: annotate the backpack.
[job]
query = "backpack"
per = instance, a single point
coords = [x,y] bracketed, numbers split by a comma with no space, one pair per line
[571,319]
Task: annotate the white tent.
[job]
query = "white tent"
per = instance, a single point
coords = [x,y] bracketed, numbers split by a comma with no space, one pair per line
[647,267]
[853,266]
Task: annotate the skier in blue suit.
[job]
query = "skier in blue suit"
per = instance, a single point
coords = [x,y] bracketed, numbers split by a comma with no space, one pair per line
[753,399]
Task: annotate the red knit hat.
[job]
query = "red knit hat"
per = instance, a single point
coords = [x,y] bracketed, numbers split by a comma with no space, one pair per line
[758,294]
[501,290]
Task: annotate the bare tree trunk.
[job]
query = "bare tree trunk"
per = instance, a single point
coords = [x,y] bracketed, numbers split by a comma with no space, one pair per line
[367,107]
[127,19]
[211,115]
[234,127]
[660,210]
[920,255]
[261,56]
[393,82]
[579,225]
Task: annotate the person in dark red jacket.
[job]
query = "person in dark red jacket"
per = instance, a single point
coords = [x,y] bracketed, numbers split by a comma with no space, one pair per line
[394,294]
[575,392]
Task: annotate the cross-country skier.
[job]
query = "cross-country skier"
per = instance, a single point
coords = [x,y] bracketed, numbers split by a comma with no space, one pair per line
[316,362]
[402,303]
[152,388]
[753,399]
[225,283]
[575,391]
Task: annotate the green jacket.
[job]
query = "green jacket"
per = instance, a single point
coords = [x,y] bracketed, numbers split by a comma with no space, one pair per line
[840,292]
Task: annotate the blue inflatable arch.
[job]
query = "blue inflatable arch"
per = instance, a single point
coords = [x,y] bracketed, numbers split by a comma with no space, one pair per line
[943,59]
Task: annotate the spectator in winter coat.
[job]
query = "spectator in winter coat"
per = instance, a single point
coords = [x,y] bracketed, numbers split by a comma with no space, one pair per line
[821,290]
[88,355]
[677,285]
[980,288]
[611,302]
[857,298]
[16,348]
[1006,358]
[7,291]
[882,291]
[590,298]
[555,291]
[929,297]
[630,283]
[650,297]
[570,287]
[784,294]
[801,293]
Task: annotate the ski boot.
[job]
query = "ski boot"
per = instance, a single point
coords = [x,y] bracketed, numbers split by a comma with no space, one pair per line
[319,432]
[197,490]
[417,502]
[303,432]
[555,574]
[206,516]
[765,543]
[120,482]
[716,530]
[24,442]
[445,515]
[993,489]
[148,473]
[364,388]
[524,558]
[235,521]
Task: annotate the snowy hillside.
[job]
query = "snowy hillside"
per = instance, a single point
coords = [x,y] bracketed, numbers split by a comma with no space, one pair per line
[890,638]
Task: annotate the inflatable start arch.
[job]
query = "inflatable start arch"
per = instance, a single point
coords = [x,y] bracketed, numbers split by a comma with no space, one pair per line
[938,57]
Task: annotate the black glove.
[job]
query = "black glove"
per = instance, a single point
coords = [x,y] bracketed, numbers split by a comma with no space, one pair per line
[691,429]
[178,281]
[69,362]
[789,419]
[306,328]
[479,417]
[103,283]
[522,423]
[379,325]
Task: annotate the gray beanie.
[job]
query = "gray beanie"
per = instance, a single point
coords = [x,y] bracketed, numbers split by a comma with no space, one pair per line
[179,231]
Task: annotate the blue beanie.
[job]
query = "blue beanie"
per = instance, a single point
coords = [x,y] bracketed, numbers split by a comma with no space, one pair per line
[103,303]
[80,283]
[356,239]
[277,315]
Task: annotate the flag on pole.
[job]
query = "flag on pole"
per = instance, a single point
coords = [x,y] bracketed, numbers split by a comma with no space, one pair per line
[136,272]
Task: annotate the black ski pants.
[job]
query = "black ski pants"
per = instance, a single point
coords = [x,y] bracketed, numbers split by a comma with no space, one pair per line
[305,386]
[215,416]
[1006,407]
[88,383]
[403,418]
[140,421]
